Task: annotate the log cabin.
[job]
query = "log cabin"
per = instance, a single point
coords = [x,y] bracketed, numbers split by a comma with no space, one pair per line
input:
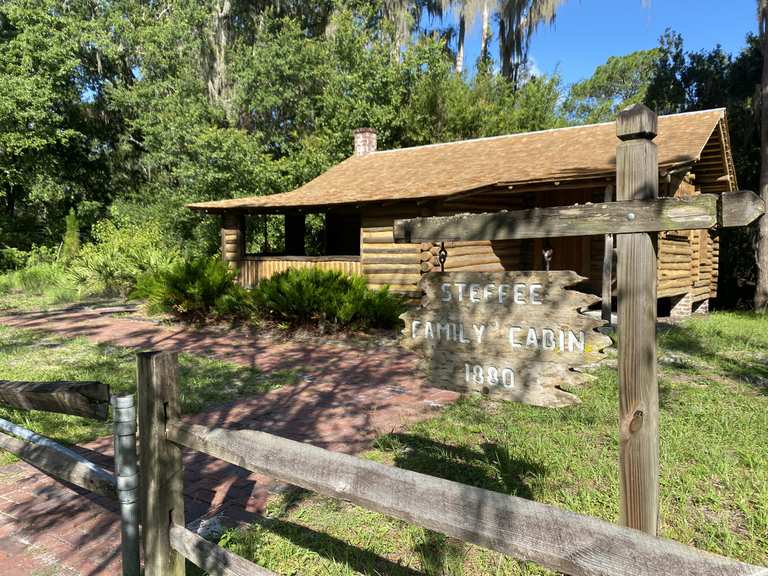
[361,197]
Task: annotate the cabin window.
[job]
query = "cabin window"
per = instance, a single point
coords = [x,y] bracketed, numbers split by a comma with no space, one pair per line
[300,234]
[342,234]
[264,234]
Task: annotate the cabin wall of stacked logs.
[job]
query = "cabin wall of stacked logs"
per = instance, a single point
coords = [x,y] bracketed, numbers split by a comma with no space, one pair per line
[687,260]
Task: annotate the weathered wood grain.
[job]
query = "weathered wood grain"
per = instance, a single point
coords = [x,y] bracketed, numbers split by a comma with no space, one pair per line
[740,208]
[607,280]
[637,122]
[487,257]
[620,217]
[87,399]
[515,335]
[535,382]
[579,220]
[162,499]
[232,238]
[527,530]
[479,335]
[214,559]
[637,179]
[60,466]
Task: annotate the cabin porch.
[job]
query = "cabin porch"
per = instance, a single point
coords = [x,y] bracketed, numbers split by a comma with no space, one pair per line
[340,245]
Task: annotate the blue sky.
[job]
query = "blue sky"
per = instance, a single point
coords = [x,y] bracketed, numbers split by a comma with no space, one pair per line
[587,32]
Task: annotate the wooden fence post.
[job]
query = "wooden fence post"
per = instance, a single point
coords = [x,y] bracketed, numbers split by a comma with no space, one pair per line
[162,497]
[607,265]
[637,178]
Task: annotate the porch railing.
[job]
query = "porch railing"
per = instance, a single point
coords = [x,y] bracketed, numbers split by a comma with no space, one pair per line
[253,268]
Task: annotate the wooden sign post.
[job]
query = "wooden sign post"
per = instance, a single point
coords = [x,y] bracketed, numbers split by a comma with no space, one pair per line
[637,178]
[636,213]
[515,335]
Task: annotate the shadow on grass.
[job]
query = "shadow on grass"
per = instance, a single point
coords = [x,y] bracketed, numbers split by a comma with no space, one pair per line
[205,382]
[491,467]
[248,543]
[751,369]
[440,555]
[337,550]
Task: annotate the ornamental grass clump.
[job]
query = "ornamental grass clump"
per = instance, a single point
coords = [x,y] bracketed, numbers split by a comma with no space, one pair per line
[119,256]
[307,296]
[42,273]
[194,289]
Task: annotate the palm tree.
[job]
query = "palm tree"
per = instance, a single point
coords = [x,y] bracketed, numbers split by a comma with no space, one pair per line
[518,19]
[401,14]
[761,292]
[488,6]
[467,12]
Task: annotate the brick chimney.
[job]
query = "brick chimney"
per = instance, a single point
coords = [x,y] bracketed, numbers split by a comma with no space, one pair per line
[365,141]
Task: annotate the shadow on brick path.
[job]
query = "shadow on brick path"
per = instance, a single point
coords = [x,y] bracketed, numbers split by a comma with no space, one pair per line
[345,399]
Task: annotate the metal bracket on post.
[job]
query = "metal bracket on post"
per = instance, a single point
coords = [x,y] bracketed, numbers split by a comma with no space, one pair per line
[442,256]
[126,472]
[547,257]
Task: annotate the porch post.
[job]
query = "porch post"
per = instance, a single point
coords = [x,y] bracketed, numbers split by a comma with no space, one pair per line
[233,238]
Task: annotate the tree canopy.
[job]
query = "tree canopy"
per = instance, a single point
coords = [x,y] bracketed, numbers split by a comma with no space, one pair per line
[620,82]
[136,108]
[128,110]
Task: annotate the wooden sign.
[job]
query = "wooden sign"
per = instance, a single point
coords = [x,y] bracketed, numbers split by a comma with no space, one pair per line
[515,335]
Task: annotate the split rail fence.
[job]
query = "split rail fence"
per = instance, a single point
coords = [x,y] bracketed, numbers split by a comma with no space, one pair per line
[527,530]
[89,400]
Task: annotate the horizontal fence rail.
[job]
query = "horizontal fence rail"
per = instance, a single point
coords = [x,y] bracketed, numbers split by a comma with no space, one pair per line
[57,460]
[212,558]
[87,399]
[527,530]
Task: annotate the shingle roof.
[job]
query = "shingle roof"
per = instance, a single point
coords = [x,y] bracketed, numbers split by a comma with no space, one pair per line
[441,170]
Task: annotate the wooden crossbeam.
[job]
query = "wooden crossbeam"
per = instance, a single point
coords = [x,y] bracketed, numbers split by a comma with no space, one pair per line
[87,399]
[623,217]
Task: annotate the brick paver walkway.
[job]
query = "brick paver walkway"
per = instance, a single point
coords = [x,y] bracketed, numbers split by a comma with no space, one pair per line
[345,398]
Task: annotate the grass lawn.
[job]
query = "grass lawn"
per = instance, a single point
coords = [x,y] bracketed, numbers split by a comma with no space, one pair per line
[30,355]
[714,466]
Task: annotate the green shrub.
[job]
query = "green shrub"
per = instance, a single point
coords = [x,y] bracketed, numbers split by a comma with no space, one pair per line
[39,278]
[71,242]
[314,295]
[194,289]
[42,273]
[12,259]
[119,256]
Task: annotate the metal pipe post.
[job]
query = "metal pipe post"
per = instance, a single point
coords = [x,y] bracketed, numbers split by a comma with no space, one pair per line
[124,418]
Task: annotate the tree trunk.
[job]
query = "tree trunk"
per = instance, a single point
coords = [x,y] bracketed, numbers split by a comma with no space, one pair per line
[10,202]
[218,75]
[460,48]
[486,31]
[505,63]
[761,292]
